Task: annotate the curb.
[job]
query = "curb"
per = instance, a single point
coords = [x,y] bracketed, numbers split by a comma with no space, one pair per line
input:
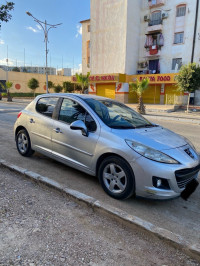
[134,221]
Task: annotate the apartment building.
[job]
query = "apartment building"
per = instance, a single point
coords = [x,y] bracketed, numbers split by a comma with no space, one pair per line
[31,69]
[64,72]
[126,39]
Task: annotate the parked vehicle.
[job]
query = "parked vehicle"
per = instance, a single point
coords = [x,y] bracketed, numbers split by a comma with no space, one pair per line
[0,96]
[105,138]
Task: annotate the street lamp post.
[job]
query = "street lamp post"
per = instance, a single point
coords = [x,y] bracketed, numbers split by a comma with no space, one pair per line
[46,29]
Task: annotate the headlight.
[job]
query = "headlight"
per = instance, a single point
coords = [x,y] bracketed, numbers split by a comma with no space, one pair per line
[189,142]
[150,153]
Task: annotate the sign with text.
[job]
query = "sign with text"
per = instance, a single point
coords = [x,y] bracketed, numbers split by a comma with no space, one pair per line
[156,78]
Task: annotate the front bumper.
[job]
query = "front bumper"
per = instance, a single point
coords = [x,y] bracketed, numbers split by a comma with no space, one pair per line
[144,169]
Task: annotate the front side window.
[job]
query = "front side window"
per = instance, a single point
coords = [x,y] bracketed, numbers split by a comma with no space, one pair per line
[117,115]
[71,111]
[180,11]
[46,105]
[178,37]
[176,63]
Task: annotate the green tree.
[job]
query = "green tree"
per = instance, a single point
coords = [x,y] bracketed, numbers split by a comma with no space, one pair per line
[50,84]
[139,87]
[58,88]
[16,69]
[33,84]
[68,86]
[4,12]
[188,79]
[7,87]
[83,80]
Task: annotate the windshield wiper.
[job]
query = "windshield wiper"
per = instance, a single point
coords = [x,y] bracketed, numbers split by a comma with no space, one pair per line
[146,125]
[123,127]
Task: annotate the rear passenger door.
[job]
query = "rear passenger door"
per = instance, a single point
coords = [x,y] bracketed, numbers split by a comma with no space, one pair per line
[41,124]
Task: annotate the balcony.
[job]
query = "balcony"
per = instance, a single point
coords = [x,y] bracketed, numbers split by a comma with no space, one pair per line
[155,25]
[156,3]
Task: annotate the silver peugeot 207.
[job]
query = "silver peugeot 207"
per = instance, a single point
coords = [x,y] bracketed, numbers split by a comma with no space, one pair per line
[105,138]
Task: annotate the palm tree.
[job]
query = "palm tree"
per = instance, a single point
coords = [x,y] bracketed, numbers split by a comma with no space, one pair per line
[139,87]
[7,87]
[83,80]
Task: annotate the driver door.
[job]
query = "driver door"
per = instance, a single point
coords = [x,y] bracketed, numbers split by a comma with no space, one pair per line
[70,145]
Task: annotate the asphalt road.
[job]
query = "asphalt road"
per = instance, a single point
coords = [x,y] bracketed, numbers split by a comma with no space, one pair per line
[176,215]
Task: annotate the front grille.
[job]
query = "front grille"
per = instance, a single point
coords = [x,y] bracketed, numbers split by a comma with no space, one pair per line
[184,176]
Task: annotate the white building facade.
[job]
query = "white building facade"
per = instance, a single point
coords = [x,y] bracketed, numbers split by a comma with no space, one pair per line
[130,39]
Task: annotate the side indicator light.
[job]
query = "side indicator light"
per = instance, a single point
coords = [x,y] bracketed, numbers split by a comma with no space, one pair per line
[18,116]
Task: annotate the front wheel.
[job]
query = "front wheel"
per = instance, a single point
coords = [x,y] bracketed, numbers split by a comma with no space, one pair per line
[23,143]
[116,178]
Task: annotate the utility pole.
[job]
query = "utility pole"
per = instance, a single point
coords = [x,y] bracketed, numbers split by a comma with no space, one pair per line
[46,29]
[195,31]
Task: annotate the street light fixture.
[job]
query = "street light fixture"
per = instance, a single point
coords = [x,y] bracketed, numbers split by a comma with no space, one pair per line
[46,29]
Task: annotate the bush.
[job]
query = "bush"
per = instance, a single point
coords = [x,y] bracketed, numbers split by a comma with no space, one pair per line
[23,94]
[68,86]
[58,88]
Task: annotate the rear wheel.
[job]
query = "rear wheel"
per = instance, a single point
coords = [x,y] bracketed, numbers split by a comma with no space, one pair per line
[116,178]
[23,143]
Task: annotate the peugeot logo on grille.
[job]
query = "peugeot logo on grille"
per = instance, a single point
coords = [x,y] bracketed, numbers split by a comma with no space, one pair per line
[188,151]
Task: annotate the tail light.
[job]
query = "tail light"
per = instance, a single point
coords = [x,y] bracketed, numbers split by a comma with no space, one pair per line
[18,116]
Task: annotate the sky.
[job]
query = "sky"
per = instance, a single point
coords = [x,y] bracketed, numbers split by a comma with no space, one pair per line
[23,38]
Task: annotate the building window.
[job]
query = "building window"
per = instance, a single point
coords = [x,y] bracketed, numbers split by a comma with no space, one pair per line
[178,37]
[181,11]
[155,18]
[176,63]
[88,28]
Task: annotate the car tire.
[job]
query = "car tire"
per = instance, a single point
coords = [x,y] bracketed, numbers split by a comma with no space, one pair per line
[23,143]
[116,177]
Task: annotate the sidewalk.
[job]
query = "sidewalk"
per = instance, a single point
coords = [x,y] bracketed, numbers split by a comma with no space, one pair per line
[167,112]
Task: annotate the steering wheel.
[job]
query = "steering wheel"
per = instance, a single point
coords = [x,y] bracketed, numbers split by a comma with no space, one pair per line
[116,117]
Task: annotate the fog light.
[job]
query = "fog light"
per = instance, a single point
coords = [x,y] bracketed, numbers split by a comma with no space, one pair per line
[158,182]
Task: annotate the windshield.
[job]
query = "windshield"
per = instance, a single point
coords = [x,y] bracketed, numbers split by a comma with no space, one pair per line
[117,115]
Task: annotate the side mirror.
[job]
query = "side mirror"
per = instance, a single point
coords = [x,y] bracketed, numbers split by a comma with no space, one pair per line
[79,125]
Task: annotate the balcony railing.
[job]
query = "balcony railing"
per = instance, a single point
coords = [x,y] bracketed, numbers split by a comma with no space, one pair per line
[155,28]
[156,3]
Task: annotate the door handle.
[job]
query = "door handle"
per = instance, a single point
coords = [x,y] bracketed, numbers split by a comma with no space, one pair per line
[57,130]
[31,120]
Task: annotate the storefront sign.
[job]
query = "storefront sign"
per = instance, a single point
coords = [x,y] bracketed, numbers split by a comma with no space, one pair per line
[97,78]
[156,78]
[100,78]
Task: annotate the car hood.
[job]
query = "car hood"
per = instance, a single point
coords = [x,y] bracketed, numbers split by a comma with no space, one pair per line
[158,138]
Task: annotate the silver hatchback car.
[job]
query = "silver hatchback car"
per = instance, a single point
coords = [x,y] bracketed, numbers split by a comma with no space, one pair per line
[105,138]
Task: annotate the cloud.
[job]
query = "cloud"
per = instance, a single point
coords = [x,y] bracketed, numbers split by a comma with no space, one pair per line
[39,27]
[77,70]
[79,30]
[4,62]
[2,42]
[35,30]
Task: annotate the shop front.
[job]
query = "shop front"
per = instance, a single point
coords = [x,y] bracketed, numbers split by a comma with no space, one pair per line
[162,88]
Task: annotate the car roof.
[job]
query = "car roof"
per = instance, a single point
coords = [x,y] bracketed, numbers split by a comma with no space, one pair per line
[82,96]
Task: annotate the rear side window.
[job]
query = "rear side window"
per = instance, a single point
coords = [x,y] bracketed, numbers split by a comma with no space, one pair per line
[46,106]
